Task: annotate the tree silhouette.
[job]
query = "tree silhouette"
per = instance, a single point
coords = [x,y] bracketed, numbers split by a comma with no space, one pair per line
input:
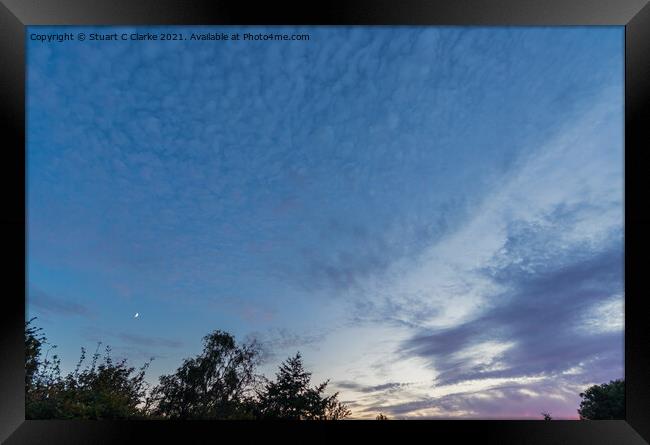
[546,415]
[290,396]
[43,381]
[603,402]
[219,383]
[381,416]
[103,390]
[216,384]
[34,341]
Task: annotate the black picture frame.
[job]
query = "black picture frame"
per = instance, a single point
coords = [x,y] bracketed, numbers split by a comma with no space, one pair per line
[15,15]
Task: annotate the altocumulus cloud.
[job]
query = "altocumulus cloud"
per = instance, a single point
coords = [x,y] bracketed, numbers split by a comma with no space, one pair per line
[549,262]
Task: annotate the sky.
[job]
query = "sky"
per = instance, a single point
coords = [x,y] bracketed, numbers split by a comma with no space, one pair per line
[432,216]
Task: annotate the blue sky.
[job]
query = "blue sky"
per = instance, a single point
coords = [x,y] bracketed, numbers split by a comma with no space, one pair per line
[432,216]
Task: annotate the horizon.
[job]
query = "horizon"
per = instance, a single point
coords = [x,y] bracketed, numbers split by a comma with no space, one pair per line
[432,216]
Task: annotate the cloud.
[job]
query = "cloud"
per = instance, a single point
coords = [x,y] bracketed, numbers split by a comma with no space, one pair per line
[249,310]
[605,316]
[514,401]
[46,303]
[142,340]
[132,346]
[270,157]
[357,387]
[529,286]
[275,342]
[537,318]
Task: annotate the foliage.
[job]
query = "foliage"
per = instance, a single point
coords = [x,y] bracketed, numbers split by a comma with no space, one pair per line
[42,375]
[603,402]
[547,416]
[217,384]
[104,390]
[381,416]
[34,341]
[107,390]
[290,396]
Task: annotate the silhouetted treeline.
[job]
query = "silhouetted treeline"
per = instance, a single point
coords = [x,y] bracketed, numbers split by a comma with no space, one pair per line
[219,383]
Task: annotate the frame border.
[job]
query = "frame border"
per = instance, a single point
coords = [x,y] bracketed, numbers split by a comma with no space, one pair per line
[15,15]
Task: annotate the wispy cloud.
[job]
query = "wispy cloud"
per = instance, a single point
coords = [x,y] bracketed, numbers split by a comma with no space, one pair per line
[276,342]
[132,346]
[142,340]
[515,291]
[358,387]
[49,304]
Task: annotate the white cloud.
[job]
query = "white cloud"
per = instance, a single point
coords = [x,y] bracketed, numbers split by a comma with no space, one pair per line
[607,316]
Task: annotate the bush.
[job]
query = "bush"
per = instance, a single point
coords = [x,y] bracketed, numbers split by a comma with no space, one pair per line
[104,390]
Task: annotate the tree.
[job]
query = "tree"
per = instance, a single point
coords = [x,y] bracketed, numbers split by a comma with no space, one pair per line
[219,383]
[290,396]
[106,390]
[34,341]
[381,416]
[546,415]
[42,375]
[603,402]
[216,384]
